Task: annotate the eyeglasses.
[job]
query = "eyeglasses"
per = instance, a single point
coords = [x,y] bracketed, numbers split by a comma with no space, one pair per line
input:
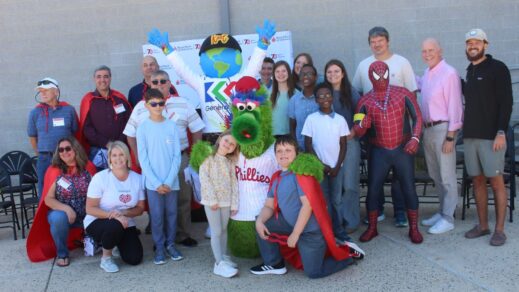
[64,149]
[155,104]
[307,74]
[324,96]
[45,82]
[162,81]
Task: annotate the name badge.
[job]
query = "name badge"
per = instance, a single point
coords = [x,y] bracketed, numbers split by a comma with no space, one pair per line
[64,183]
[169,141]
[119,108]
[58,122]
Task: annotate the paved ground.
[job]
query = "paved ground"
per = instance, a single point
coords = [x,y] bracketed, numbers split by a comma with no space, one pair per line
[447,262]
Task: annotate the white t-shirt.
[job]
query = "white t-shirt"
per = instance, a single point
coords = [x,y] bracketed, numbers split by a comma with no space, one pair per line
[400,74]
[253,183]
[326,132]
[115,194]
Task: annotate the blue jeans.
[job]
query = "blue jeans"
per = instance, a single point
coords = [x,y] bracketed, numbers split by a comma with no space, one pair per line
[44,161]
[59,228]
[163,207]
[311,245]
[93,154]
[380,162]
[350,185]
[332,191]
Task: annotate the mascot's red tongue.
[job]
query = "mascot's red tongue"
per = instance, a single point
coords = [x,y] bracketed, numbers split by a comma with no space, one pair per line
[246,134]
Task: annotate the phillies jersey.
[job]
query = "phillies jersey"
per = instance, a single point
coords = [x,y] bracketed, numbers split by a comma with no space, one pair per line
[254,177]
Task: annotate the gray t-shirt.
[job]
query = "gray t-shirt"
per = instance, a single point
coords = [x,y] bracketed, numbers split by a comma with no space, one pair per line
[288,193]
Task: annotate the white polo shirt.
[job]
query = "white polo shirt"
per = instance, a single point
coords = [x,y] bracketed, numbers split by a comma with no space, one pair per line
[177,109]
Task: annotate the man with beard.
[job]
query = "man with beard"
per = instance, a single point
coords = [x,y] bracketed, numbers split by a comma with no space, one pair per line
[488,106]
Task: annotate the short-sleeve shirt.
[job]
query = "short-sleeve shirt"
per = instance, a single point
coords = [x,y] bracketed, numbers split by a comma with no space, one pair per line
[115,194]
[299,107]
[177,109]
[400,74]
[280,124]
[326,131]
[49,125]
[289,202]
[343,110]
[71,189]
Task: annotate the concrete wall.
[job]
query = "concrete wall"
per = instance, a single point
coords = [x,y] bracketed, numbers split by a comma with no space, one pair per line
[66,40]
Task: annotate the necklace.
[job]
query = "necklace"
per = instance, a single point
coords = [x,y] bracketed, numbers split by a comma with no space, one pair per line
[384,106]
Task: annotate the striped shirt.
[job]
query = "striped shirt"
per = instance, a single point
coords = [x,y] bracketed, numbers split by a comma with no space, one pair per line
[253,183]
[177,109]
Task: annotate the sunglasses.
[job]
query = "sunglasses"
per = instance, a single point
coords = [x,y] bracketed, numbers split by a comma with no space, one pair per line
[45,82]
[64,149]
[155,104]
[162,81]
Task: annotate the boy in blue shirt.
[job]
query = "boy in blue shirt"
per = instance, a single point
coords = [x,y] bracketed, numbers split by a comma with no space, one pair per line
[295,215]
[158,146]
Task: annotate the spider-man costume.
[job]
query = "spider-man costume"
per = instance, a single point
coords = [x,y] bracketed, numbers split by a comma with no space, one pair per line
[385,114]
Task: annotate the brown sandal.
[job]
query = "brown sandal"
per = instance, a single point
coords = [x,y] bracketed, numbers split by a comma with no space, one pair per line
[63,262]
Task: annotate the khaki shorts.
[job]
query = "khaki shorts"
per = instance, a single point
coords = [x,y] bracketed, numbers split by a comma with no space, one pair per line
[481,159]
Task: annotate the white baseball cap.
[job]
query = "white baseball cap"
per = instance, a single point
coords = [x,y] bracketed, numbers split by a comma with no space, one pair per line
[47,83]
[476,33]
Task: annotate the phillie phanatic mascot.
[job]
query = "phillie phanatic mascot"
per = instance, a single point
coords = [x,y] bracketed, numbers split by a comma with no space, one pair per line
[252,128]
[221,63]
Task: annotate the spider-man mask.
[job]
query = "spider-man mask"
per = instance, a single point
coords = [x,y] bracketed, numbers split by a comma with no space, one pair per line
[379,76]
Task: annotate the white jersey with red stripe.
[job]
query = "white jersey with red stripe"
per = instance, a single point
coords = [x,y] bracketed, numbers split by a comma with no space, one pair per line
[253,183]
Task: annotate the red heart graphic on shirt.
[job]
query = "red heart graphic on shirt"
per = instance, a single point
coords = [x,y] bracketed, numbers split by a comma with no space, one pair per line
[125,198]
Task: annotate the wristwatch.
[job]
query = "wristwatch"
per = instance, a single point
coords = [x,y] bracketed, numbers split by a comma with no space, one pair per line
[501,133]
[449,139]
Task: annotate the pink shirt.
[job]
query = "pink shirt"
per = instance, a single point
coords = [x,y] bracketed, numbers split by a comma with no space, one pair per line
[441,96]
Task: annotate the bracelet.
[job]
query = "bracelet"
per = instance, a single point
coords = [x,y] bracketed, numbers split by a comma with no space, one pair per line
[417,140]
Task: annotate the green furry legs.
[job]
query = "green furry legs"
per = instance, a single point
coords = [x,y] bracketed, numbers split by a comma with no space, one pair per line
[242,239]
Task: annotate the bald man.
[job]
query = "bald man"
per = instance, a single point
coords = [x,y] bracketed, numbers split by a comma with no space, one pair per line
[149,66]
[442,114]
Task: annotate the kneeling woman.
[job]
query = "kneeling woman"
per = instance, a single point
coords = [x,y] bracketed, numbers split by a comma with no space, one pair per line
[115,196]
[60,215]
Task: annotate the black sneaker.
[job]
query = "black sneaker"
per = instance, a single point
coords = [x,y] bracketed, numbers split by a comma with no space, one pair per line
[355,251]
[189,242]
[278,269]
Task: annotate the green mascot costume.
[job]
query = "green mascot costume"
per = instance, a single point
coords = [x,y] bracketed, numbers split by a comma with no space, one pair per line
[252,128]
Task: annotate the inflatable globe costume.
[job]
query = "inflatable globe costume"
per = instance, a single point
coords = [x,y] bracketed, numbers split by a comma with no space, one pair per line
[221,62]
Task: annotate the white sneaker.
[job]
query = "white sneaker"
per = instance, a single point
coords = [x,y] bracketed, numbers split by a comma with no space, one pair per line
[441,226]
[431,221]
[224,270]
[227,259]
[109,265]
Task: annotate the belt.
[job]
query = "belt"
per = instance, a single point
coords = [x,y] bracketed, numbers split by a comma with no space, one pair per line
[432,124]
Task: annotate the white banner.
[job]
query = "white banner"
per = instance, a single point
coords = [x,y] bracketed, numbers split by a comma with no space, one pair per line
[279,49]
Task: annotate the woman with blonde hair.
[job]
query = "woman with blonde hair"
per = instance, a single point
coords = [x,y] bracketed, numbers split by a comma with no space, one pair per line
[115,196]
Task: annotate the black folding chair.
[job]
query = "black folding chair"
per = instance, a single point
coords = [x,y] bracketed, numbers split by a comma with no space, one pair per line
[8,204]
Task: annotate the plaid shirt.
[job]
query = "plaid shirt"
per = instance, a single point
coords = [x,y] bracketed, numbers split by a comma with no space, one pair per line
[391,128]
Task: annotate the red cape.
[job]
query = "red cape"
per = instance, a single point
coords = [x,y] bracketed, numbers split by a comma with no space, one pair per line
[84,109]
[314,194]
[40,245]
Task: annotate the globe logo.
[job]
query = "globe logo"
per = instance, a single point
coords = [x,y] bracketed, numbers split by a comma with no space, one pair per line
[221,62]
